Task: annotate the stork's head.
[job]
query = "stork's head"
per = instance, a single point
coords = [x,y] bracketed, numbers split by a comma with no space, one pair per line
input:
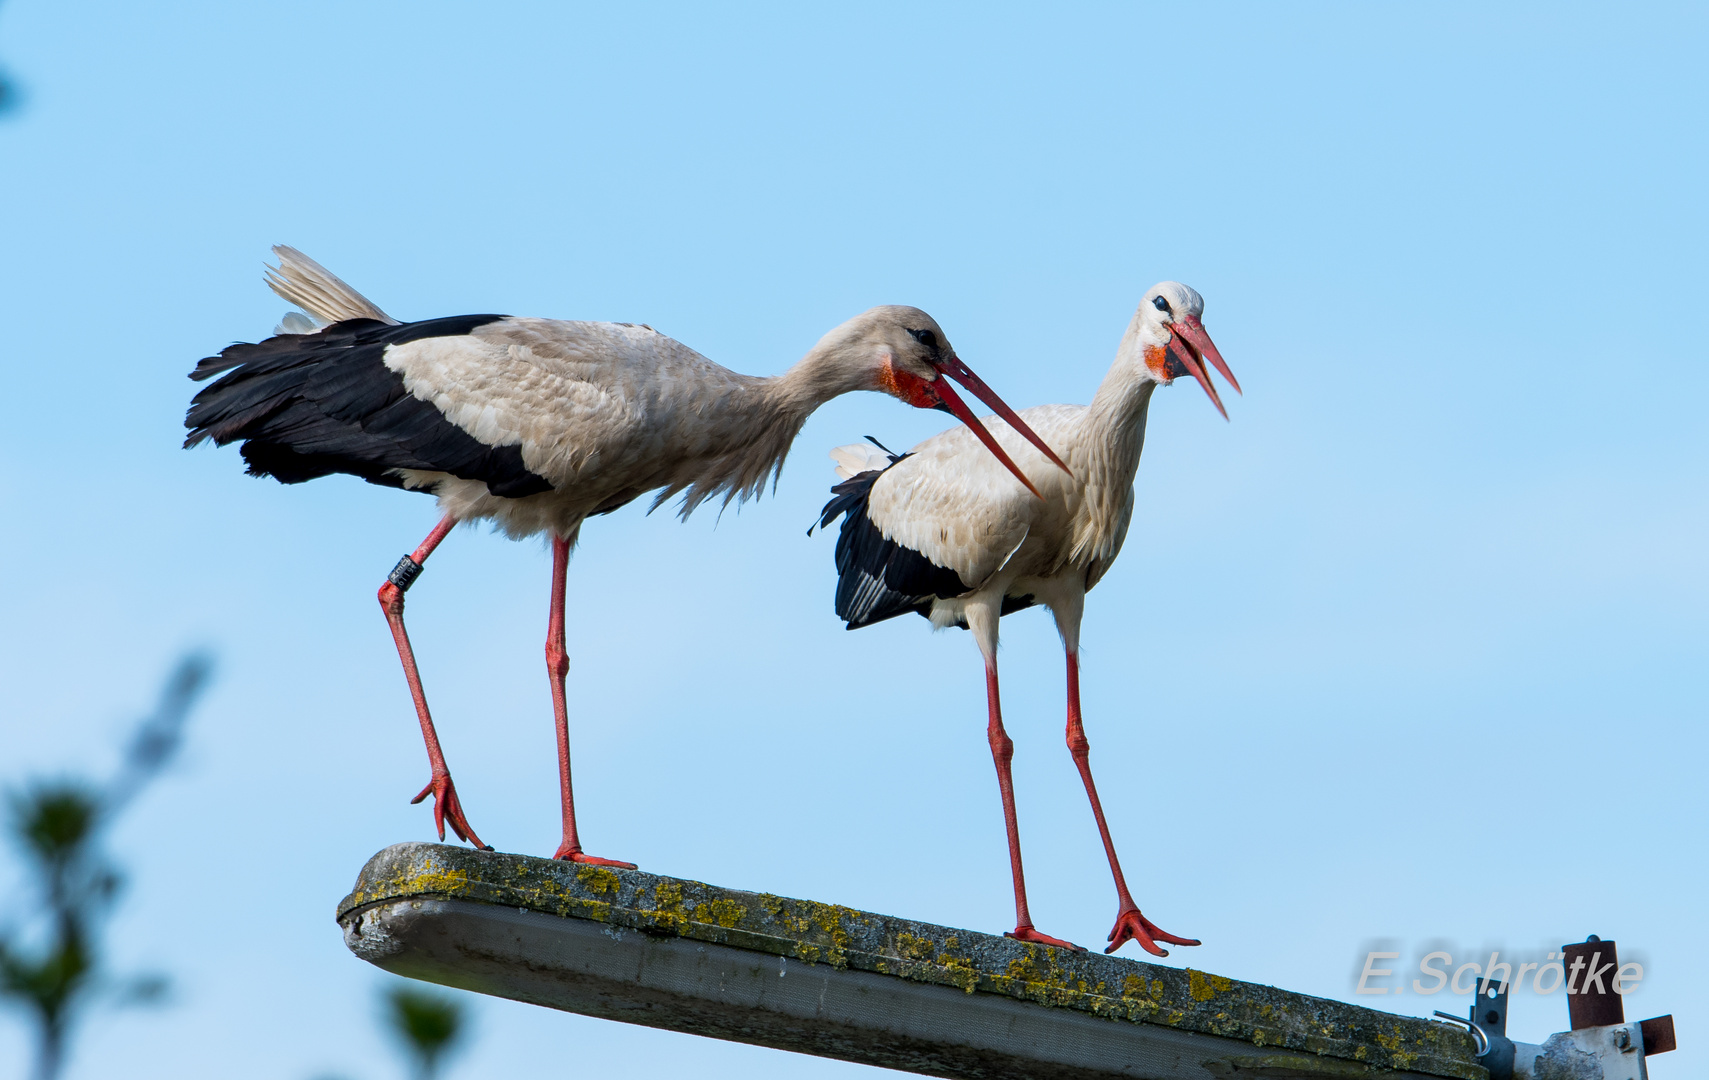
[903,352]
[1175,341]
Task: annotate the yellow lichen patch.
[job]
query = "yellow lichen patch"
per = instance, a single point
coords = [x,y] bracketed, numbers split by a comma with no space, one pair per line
[597,910]
[960,971]
[923,962]
[448,882]
[1393,1044]
[1203,987]
[909,947]
[598,879]
[1026,968]
[1039,975]
[829,917]
[725,912]
[667,896]
[778,909]
[1132,986]
[667,906]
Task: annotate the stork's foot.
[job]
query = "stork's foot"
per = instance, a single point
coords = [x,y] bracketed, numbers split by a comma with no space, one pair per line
[1132,926]
[446,808]
[574,854]
[1027,933]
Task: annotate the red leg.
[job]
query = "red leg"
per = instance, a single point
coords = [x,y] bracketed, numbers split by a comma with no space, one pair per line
[1002,752]
[446,807]
[1130,924]
[557,666]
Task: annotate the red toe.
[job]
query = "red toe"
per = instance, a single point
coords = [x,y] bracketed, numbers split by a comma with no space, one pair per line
[1132,926]
[569,854]
[1027,933]
[447,809]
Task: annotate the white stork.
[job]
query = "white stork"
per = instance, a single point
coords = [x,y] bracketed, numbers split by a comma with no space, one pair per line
[536,424]
[939,532]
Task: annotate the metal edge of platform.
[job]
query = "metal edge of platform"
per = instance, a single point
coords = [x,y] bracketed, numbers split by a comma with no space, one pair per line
[721,992]
[1269,1024]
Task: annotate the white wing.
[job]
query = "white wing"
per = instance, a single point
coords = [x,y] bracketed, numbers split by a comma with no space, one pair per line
[952,501]
[612,405]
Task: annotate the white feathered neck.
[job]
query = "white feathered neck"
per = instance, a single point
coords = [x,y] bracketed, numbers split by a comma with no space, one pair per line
[1114,438]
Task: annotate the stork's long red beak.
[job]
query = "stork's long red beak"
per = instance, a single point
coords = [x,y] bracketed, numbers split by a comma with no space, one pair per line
[1189,344]
[961,373]
[958,408]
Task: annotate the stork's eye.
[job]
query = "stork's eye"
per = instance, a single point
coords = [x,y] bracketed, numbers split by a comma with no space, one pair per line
[926,338]
[1162,305]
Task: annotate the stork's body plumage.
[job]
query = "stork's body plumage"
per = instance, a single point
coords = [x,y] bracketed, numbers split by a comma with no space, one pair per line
[534,424]
[936,532]
[994,538]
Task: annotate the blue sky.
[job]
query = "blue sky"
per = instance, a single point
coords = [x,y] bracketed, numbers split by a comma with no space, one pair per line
[1413,649]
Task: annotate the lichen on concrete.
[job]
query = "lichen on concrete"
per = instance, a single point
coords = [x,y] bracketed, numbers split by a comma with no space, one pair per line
[1274,1022]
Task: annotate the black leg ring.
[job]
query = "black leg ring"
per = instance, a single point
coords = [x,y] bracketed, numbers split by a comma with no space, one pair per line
[403,575]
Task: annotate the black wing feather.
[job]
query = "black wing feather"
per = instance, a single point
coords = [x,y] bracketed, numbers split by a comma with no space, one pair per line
[879,579]
[308,405]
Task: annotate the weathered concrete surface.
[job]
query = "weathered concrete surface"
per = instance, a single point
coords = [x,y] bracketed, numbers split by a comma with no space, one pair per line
[829,980]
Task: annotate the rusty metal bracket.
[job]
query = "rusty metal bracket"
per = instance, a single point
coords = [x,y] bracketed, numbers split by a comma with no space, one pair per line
[1600,1046]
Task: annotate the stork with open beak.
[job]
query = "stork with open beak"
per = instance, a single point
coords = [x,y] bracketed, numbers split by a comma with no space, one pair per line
[940,532]
[538,424]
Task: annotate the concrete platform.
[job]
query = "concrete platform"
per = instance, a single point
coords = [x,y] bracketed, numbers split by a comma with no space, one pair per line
[831,981]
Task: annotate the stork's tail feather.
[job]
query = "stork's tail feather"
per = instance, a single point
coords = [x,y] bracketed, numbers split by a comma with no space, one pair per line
[295,322]
[860,463]
[318,291]
[856,458]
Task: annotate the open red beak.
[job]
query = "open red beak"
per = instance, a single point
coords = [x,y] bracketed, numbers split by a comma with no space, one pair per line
[1190,344]
[961,373]
[958,408]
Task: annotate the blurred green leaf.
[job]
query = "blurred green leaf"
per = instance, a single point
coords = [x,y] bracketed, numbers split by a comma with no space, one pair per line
[53,821]
[427,1024]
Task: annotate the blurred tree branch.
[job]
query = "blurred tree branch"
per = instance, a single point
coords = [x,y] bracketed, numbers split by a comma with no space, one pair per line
[57,824]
